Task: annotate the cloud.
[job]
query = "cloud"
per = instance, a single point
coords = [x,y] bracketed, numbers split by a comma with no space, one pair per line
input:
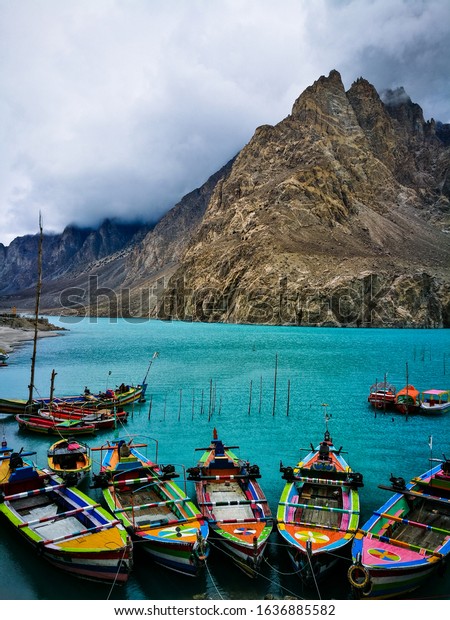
[119,108]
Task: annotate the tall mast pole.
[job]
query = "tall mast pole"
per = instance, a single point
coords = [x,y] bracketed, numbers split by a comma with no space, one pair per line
[36,311]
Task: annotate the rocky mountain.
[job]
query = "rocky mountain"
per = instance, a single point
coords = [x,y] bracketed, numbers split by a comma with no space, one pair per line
[337,215]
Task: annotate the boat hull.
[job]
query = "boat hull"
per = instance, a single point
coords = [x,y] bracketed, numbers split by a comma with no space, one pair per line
[87,543]
[406,540]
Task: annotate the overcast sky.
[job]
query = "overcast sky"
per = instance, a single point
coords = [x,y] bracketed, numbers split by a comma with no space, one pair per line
[117,108]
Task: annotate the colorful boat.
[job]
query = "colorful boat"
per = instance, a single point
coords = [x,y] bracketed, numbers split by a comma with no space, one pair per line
[160,516]
[64,526]
[120,397]
[66,428]
[382,395]
[318,512]
[233,503]
[406,540]
[407,400]
[99,420]
[70,459]
[434,402]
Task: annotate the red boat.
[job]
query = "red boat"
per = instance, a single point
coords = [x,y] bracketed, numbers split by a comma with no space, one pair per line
[65,428]
[407,400]
[382,395]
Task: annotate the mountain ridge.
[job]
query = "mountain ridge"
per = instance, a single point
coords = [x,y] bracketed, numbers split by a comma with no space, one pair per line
[336,215]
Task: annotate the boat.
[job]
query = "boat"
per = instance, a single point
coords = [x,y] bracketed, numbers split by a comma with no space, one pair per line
[122,396]
[99,420]
[4,357]
[160,516]
[70,459]
[318,511]
[233,503]
[66,428]
[65,526]
[407,400]
[382,395]
[69,411]
[405,541]
[434,401]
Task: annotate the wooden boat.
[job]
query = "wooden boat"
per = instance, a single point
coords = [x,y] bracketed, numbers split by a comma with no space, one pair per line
[233,503]
[406,540]
[434,401]
[66,411]
[407,400]
[69,459]
[97,419]
[66,428]
[122,396]
[64,526]
[382,395]
[318,511]
[152,507]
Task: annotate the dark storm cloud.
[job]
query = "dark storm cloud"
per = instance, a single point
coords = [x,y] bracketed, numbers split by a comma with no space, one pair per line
[113,108]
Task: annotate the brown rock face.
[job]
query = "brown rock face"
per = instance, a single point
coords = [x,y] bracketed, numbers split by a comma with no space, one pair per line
[334,216]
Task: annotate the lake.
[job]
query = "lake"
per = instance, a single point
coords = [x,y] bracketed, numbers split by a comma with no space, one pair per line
[223,376]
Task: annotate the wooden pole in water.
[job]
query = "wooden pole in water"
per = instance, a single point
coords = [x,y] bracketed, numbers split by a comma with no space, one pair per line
[52,386]
[201,406]
[193,403]
[220,405]
[179,409]
[36,311]
[210,399]
[150,406]
[275,384]
[288,397]
[260,394]
[250,398]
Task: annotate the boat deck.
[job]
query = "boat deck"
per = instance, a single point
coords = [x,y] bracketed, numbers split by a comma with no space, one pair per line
[38,507]
[228,492]
[428,539]
[319,496]
[146,516]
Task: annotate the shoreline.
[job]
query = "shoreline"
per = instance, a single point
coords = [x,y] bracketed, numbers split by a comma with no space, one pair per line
[11,337]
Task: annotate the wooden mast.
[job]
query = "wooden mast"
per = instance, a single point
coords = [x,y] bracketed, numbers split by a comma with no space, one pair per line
[36,312]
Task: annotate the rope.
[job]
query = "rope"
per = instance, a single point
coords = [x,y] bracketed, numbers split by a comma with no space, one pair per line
[314,576]
[258,573]
[296,572]
[117,573]
[212,580]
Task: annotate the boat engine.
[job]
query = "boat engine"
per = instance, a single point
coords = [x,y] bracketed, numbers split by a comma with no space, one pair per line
[398,483]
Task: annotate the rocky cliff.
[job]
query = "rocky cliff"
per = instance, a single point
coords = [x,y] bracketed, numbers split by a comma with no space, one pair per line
[338,215]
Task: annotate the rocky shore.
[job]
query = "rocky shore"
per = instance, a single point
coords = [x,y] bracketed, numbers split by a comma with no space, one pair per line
[16,330]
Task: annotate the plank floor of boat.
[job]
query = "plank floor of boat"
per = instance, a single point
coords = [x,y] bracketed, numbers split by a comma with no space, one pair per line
[228,493]
[146,515]
[325,497]
[427,539]
[48,529]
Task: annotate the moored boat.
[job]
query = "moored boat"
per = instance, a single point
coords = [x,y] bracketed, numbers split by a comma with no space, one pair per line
[120,397]
[160,516]
[434,402]
[99,420]
[382,395]
[233,503]
[406,540]
[318,512]
[65,527]
[407,400]
[65,428]
[70,459]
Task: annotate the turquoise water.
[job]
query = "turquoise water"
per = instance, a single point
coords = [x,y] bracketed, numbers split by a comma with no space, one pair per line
[203,377]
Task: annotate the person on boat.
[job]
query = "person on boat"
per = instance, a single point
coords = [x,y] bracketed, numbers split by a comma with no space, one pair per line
[87,391]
